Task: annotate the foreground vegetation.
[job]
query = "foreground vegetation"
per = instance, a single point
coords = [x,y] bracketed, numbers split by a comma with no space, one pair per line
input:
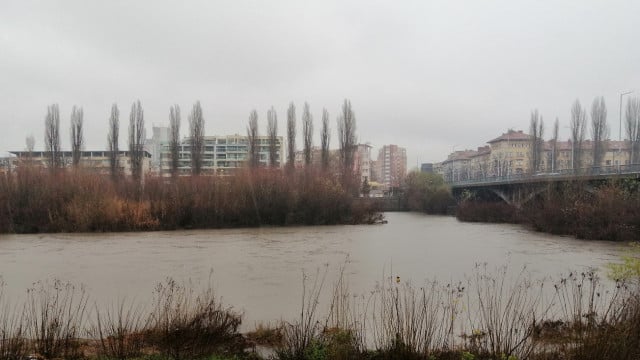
[490,315]
[608,212]
[35,200]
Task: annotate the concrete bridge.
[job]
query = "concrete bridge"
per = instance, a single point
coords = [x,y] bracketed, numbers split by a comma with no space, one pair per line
[518,189]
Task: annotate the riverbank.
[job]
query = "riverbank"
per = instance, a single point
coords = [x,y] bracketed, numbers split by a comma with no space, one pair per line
[609,212]
[37,201]
[485,316]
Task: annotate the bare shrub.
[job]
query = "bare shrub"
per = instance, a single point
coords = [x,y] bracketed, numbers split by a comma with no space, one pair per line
[186,325]
[119,331]
[505,313]
[305,333]
[13,344]
[55,318]
[413,321]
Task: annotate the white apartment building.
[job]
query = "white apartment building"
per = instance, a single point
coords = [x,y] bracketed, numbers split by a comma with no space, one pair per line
[222,154]
[96,161]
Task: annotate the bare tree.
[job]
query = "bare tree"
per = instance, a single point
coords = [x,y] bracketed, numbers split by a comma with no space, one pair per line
[578,128]
[325,137]
[291,136]
[112,139]
[307,133]
[30,141]
[272,133]
[536,131]
[501,166]
[52,137]
[174,138]
[252,139]
[136,140]
[632,124]
[554,146]
[347,139]
[77,139]
[196,130]
[599,129]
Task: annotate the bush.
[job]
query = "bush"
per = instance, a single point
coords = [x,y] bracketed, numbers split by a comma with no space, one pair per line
[428,193]
[54,318]
[184,325]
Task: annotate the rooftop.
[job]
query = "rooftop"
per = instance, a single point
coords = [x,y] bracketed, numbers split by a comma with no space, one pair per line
[511,135]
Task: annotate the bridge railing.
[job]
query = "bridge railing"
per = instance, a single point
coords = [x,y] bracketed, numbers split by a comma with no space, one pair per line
[586,172]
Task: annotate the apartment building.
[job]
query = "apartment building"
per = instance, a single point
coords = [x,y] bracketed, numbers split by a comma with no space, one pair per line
[391,165]
[96,161]
[222,154]
[362,162]
[510,154]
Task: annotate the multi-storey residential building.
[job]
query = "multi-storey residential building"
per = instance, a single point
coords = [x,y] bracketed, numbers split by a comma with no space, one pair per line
[362,162]
[222,154]
[458,165]
[391,165]
[480,162]
[96,161]
[510,154]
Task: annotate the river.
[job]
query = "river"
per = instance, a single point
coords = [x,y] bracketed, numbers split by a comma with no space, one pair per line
[259,271]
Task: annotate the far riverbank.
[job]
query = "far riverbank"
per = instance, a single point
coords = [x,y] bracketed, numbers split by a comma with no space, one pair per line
[610,212]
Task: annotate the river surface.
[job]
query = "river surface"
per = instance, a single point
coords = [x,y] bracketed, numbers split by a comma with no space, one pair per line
[259,271]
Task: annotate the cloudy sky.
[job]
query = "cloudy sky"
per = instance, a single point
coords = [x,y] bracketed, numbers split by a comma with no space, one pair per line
[431,76]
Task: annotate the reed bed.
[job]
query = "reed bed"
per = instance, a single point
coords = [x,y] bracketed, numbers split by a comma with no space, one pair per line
[34,200]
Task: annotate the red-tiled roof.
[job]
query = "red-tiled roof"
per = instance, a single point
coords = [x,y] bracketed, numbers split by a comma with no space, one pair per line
[483,150]
[511,135]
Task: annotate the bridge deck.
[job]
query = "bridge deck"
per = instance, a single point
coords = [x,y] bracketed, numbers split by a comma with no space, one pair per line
[592,173]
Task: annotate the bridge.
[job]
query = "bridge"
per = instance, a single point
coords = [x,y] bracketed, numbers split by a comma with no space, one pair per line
[517,189]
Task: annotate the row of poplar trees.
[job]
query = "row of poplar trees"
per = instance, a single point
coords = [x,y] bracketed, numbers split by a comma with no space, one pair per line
[136,138]
[578,127]
[346,137]
[346,122]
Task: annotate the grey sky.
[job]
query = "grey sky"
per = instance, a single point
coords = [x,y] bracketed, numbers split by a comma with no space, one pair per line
[426,75]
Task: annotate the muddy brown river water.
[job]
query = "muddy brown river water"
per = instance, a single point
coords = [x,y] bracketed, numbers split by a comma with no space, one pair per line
[259,271]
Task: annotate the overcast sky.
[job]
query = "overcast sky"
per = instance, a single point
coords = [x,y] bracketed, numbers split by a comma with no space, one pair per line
[431,76]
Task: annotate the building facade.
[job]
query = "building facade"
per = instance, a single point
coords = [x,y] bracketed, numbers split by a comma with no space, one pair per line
[222,154]
[391,166]
[362,162]
[510,154]
[94,161]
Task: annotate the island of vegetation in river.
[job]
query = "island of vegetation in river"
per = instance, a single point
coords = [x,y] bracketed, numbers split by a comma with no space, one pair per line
[37,200]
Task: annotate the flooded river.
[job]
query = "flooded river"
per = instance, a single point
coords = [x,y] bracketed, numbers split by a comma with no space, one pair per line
[259,271]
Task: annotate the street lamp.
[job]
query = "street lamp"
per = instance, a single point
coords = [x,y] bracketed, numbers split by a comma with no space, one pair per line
[620,115]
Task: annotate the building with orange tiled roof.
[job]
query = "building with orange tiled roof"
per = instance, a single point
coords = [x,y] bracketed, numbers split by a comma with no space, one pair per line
[509,154]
